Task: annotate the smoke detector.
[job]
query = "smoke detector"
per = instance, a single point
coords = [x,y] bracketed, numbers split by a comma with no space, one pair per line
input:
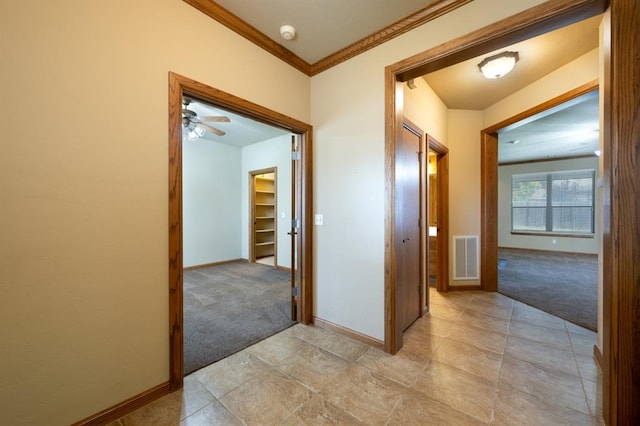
[287,32]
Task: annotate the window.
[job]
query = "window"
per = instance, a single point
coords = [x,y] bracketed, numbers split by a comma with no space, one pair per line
[558,202]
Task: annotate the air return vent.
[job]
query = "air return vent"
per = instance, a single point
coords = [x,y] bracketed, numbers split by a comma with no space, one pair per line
[465,257]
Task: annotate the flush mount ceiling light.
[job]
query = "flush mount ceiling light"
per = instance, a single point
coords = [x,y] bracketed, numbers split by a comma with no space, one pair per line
[497,66]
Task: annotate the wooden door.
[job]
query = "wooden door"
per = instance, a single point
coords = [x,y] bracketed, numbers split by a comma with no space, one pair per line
[407,227]
[296,247]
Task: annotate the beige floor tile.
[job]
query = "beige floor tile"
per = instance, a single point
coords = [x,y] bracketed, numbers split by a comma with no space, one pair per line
[364,394]
[542,354]
[476,358]
[419,346]
[417,409]
[433,325]
[229,373]
[335,343]
[485,307]
[318,411]
[576,329]
[315,367]
[492,298]
[451,299]
[276,349]
[450,313]
[213,414]
[536,333]
[486,322]
[468,358]
[530,315]
[558,388]
[170,409]
[587,367]
[401,369]
[478,337]
[583,344]
[463,391]
[268,398]
[593,390]
[513,407]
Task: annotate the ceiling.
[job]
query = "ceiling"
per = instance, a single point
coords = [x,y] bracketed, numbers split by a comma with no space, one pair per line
[240,131]
[326,26]
[323,26]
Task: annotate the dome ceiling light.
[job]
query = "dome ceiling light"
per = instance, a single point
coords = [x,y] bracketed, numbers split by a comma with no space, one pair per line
[499,65]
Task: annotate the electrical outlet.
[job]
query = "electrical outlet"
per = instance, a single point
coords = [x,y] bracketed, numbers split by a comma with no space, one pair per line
[554,241]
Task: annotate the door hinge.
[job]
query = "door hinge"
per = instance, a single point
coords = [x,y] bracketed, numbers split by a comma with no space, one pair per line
[420,223]
[295,155]
[295,291]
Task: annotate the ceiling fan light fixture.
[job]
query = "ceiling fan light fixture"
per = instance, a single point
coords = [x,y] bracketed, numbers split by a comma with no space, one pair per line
[499,65]
[199,131]
[192,135]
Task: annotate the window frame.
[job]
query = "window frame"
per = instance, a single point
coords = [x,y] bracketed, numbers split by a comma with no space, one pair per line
[548,178]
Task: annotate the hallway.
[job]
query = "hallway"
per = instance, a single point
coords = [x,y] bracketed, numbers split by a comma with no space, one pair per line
[478,358]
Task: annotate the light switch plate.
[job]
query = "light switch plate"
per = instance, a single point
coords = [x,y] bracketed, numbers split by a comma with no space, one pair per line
[318,220]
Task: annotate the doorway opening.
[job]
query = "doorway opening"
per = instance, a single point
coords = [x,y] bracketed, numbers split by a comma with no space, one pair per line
[530,23]
[300,227]
[263,242]
[437,216]
[548,229]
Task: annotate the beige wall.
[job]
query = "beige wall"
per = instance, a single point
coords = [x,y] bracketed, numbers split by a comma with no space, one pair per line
[576,73]
[464,181]
[347,110]
[84,287]
[423,107]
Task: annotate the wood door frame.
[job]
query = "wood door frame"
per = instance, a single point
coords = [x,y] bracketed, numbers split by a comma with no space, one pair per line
[489,183]
[252,213]
[442,241]
[179,86]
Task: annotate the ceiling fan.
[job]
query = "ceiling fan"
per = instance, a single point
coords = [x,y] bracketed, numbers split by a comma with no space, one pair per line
[195,126]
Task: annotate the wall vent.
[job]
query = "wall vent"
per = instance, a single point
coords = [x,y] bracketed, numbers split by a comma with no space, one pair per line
[466,257]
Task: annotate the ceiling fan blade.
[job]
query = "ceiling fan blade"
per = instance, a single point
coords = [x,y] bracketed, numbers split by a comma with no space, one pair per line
[212,129]
[215,118]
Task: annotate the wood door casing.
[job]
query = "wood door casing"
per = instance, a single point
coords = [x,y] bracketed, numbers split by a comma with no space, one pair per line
[407,222]
[179,86]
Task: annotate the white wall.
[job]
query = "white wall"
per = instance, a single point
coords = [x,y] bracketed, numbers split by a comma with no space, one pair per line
[274,152]
[84,283]
[566,244]
[211,193]
[347,107]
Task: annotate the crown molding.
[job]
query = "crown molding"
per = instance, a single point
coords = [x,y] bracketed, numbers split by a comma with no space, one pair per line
[233,22]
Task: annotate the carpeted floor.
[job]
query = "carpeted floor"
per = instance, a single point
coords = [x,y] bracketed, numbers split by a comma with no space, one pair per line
[229,307]
[562,284]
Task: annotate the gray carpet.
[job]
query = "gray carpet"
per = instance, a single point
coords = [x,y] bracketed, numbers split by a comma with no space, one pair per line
[562,284]
[232,306]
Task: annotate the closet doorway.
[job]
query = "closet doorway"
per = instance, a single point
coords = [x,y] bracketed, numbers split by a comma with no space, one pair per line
[263,244]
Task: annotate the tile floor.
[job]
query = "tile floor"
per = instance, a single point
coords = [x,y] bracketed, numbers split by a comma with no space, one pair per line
[478,358]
